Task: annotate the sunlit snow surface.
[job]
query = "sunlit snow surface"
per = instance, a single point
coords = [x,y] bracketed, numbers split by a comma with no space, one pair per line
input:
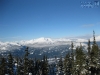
[42,46]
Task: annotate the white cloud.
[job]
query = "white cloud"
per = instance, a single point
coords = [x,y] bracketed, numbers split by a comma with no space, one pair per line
[81,40]
[97,38]
[41,42]
[88,25]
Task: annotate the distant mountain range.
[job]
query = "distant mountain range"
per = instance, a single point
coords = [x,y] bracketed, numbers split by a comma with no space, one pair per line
[42,46]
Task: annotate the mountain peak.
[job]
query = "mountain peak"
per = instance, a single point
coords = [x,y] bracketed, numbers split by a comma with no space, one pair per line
[42,39]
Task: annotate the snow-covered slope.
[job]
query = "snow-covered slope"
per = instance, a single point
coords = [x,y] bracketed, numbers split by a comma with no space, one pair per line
[40,42]
[43,42]
[39,47]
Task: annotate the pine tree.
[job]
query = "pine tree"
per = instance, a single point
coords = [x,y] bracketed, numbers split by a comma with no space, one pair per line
[67,64]
[89,47]
[61,64]
[80,59]
[36,66]
[3,66]
[99,59]
[31,66]
[26,62]
[10,64]
[72,59]
[88,58]
[18,72]
[45,66]
[94,52]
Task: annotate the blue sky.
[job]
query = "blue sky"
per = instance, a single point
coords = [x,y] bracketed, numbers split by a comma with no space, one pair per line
[29,19]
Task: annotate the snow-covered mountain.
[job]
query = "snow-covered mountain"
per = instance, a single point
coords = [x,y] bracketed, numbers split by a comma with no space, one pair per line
[43,45]
[40,42]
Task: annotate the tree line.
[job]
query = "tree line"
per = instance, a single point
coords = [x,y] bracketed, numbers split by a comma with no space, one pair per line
[23,66]
[83,63]
[76,62]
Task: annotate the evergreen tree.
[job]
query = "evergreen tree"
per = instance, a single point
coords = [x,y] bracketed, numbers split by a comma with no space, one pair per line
[18,71]
[88,58]
[69,62]
[89,48]
[99,59]
[3,66]
[26,61]
[45,66]
[80,59]
[37,66]
[94,52]
[61,64]
[31,66]
[67,65]
[72,59]
[10,64]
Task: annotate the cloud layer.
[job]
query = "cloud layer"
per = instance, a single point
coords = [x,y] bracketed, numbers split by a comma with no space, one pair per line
[43,42]
[88,25]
